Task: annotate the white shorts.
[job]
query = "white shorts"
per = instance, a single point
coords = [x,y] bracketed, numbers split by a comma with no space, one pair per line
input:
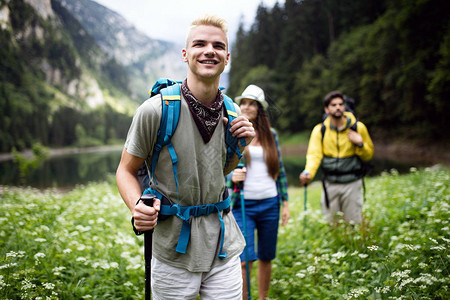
[222,282]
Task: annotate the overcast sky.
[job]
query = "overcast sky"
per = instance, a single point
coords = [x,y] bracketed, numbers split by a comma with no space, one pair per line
[169,19]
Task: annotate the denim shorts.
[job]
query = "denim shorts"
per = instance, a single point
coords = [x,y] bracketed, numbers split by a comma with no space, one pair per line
[262,216]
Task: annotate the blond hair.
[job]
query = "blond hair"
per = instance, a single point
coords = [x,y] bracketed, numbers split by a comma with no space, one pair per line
[208,20]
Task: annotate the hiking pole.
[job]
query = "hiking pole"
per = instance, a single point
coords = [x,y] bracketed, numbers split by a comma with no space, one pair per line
[247,268]
[238,188]
[304,209]
[148,235]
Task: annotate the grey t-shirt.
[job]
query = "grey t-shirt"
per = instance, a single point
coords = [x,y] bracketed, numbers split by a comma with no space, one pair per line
[200,181]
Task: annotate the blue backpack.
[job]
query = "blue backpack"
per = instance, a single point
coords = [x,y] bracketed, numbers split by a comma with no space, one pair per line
[171,105]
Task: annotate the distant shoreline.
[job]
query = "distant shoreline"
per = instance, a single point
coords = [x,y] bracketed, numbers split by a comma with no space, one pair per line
[398,151]
[66,151]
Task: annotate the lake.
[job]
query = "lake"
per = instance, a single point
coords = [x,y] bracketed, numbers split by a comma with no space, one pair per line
[67,171]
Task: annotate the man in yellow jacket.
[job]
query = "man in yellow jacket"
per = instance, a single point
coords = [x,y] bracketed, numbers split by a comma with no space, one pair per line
[340,144]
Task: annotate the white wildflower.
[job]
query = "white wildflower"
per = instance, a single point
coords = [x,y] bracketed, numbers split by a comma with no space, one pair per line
[2,282]
[426,279]
[39,255]
[405,282]
[27,285]
[339,255]
[356,293]
[394,172]
[439,248]
[45,228]
[125,254]
[48,285]
[382,290]
[8,266]
[134,267]
[57,270]
[406,264]
[400,275]
[334,261]
[11,254]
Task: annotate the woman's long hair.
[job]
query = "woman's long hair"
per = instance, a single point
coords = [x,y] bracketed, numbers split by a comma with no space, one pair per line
[267,140]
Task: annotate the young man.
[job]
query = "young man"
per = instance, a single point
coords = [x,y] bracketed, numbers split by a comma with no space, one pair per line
[199,142]
[340,150]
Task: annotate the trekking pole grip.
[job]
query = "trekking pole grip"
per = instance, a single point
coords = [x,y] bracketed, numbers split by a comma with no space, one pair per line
[148,200]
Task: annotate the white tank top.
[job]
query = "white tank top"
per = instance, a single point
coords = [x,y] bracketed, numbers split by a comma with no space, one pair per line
[258,184]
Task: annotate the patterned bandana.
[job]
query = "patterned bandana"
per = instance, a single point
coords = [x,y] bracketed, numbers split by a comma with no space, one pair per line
[206,118]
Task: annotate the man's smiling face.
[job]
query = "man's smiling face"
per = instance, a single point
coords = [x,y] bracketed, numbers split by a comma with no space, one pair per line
[206,52]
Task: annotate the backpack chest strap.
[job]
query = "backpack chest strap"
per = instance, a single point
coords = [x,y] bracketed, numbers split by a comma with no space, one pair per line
[185,212]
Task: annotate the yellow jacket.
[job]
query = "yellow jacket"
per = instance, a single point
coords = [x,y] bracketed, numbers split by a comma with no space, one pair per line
[340,158]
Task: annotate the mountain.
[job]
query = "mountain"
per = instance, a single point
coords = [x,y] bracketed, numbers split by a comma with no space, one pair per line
[144,58]
[64,82]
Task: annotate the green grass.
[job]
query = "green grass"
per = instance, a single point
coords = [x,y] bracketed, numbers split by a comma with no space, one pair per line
[401,251]
[79,245]
[301,138]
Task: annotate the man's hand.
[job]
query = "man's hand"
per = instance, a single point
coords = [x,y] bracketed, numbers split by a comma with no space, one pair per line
[146,217]
[304,177]
[241,127]
[355,137]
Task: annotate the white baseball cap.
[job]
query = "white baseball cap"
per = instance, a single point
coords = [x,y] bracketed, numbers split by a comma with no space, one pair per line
[253,92]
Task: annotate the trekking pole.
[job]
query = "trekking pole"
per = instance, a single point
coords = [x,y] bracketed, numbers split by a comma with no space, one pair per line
[148,235]
[304,209]
[247,268]
[238,188]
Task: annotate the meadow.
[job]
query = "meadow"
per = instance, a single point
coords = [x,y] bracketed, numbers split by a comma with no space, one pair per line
[79,245]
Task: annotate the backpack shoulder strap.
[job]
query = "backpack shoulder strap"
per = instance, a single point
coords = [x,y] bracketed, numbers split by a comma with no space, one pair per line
[354,127]
[322,130]
[171,105]
[230,141]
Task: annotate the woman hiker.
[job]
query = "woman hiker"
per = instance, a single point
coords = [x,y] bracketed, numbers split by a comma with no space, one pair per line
[262,181]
